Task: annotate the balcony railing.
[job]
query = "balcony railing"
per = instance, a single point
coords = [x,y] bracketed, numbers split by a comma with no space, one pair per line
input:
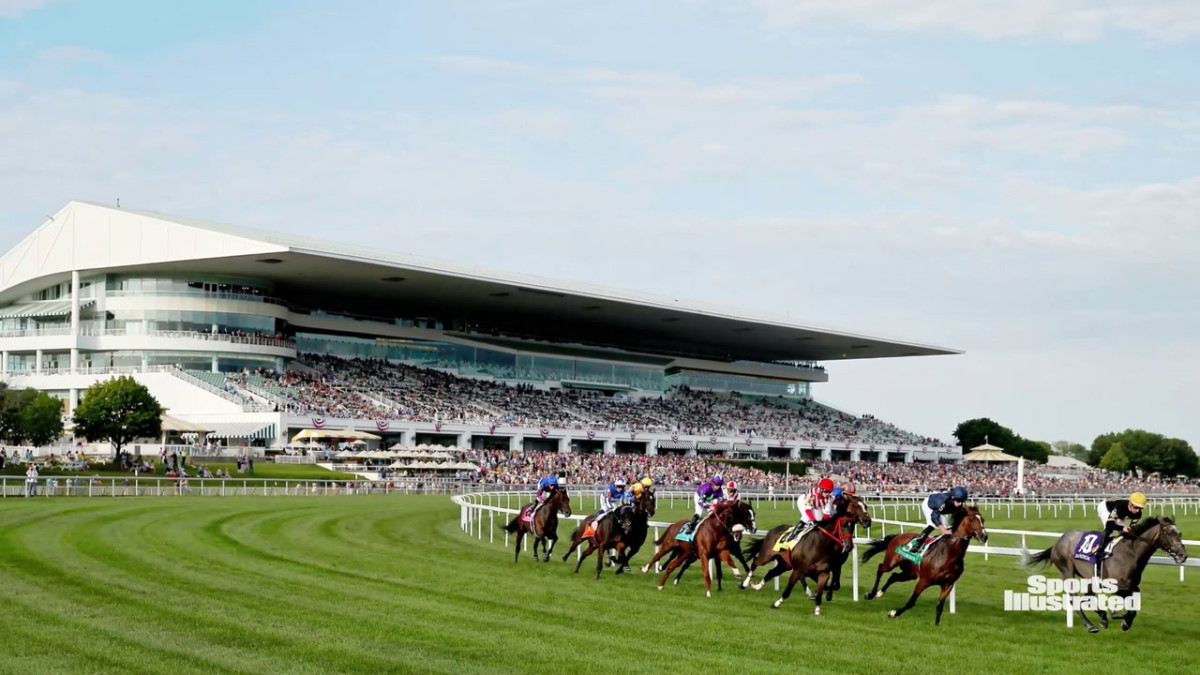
[261,340]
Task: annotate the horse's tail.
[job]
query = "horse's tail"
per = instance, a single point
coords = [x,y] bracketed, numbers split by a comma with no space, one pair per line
[877,545]
[1029,560]
[513,525]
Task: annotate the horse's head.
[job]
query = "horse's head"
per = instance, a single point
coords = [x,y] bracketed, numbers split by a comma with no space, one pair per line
[649,503]
[624,520]
[1170,540]
[561,501]
[971,524]
[740,518]
[853,506]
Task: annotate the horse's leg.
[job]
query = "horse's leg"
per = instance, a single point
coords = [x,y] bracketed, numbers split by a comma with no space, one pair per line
[937,617]
[586,552]
[720,569]
[779,568]
[822,579]
[684,564]
[912,600]
[875,592]
[1087,623]
[1130,615]
[662,550]
[797,574]
[517,548]
[576,540]
[675,562]
[727,556]
[547,551]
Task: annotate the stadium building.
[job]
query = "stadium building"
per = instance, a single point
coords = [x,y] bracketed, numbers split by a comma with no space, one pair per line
[198,310]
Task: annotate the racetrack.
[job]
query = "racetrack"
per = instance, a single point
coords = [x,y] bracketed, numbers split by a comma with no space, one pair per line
[389,584]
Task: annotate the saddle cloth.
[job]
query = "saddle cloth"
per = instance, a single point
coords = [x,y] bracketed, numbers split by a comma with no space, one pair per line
[1089,545]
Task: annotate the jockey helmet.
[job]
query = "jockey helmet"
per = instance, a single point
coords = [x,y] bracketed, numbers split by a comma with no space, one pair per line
[959,493]
[637,489]
[647,482]
[1138,499]
[838,492]
[718,479]
[732,486]
[826,485]
[562,474]
[620,482]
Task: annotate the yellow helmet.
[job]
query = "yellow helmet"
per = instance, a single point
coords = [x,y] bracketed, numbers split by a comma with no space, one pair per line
[1138,499]
[647,482]
[637,489]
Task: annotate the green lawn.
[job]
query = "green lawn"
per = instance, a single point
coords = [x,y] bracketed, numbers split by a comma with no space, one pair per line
[389,584]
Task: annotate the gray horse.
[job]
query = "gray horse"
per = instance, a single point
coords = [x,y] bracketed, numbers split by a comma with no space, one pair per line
[1124,566]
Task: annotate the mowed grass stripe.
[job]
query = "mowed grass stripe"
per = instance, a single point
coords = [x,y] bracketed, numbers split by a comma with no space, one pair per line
[390,584]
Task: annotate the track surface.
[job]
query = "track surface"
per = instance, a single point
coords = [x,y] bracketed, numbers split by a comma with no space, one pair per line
[389,584]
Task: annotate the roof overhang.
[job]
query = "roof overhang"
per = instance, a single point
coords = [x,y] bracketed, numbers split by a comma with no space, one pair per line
[337,278]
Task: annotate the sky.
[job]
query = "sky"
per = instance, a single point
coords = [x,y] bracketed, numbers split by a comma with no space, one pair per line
[1017,180]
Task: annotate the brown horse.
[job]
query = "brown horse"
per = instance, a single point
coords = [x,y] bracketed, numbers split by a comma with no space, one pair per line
[817,553]
[1124,566]
[617,540]
[941,563]
[544,528]
[713,539]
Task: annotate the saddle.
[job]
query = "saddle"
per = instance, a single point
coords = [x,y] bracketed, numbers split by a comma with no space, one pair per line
[787,544]
[906,550]
[1088,547]
[527,514]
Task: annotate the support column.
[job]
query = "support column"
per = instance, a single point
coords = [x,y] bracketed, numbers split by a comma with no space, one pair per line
[463,440]
[37,362]
[610,446]
[517,444]
[72,401]
[4,361]
[145,362]
[75,303]
[215,367]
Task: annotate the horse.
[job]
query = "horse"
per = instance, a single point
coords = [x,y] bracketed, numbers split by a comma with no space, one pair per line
[713,538]
[818,553]
[941,562]
[671,549]
[544,527]
[1129,557]
[625,541]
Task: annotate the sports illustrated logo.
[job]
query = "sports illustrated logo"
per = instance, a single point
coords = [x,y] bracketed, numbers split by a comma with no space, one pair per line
[1055,595]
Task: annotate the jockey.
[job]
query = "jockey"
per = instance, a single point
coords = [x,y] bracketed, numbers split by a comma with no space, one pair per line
[546,487]
[815,505]
[731,491]
[639,487]
[708,494]
[612,498]
[935,507]
[1118,515]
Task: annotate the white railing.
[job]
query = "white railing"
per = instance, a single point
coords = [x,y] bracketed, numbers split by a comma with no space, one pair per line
[473,506]
[158,486]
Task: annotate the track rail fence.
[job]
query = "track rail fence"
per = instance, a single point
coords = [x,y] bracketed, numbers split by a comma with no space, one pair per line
[477,507]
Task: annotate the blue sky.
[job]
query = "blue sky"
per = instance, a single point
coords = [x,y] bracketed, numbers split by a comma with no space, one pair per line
[1018,181]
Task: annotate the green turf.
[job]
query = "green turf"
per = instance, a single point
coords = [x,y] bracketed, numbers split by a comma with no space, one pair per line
[389,584]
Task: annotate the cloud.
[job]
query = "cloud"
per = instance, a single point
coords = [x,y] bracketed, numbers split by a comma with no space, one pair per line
[1060,20]
[15,8]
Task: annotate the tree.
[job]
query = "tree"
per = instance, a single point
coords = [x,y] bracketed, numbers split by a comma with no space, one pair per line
[1149,452]
[1115,459]
[41,419]
[118,411]
[19,427]
[982,430]
[1069,449]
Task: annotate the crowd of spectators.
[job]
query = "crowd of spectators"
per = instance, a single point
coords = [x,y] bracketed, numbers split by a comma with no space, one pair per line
[374,389]
[504,467]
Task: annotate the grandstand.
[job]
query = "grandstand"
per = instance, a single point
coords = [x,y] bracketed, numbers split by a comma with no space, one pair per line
[257,336]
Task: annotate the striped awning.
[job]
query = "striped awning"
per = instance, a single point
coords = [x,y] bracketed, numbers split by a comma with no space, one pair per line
[705,446]
[996,455]
[750,448]
[242,430]
[33,310]
[675,445]
[175,424]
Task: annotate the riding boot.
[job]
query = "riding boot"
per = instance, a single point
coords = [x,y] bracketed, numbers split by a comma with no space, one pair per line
[691,527]
[918,543]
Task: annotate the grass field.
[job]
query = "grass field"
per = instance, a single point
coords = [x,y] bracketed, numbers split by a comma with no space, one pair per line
[389,584]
